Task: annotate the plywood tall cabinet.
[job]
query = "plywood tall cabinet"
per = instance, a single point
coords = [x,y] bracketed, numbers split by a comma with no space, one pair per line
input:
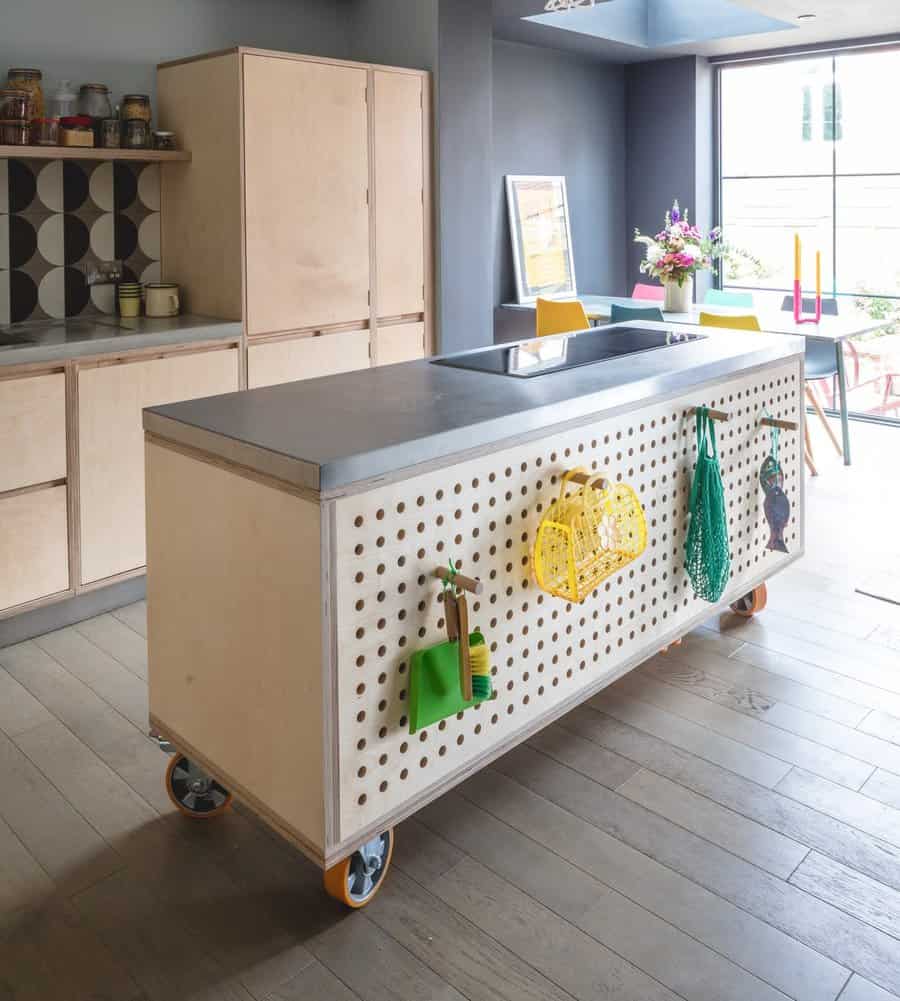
[306,211]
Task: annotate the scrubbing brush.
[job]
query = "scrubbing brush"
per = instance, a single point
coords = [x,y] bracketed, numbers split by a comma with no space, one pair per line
[474,657]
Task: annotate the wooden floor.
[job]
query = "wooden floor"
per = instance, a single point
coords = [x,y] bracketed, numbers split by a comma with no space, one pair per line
[721,825]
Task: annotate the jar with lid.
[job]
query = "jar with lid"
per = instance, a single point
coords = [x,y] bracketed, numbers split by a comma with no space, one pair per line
[76,130]
[93,102]
[135,134]
[29,80]
[13,105]
[164,140]
[135,107]
[64,101]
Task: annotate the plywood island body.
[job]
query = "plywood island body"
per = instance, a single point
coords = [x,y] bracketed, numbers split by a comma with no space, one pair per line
[293,535]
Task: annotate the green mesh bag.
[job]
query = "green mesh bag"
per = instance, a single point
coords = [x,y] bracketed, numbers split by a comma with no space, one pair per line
[707,559]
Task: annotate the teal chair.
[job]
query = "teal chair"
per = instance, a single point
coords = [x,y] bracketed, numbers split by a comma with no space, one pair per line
[626,314]
[718,297]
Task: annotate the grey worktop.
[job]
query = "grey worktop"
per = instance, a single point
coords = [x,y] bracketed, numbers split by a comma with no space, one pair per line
[60,340]
[327,433]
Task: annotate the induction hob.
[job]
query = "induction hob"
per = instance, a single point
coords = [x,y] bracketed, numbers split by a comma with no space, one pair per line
[545,355]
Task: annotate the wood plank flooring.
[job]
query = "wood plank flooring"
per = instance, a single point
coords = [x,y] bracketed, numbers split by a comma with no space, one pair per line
[722,824]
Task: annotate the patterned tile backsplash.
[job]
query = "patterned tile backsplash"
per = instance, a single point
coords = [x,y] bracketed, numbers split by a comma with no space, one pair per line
[57,217]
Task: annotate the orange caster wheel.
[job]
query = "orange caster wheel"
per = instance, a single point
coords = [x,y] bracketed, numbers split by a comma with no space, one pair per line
[357,879]
[666,649]
[193,792]
[752,602]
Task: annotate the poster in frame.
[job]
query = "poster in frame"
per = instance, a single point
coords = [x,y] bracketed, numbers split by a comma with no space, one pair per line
[541,237]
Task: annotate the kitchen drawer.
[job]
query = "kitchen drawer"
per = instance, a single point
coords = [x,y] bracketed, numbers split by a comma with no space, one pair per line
[32,430]
[290,360]
[402,342]
[33,546]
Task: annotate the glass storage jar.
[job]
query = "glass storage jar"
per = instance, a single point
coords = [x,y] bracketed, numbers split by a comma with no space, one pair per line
[135,134]
[14,133]
[111,133]
[76,130]
[13,105]
[135,107]
[64,101]
[93,101]
[29,80]
[45,132]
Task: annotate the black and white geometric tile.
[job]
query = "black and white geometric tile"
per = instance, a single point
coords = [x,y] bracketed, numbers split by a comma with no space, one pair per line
[57,218]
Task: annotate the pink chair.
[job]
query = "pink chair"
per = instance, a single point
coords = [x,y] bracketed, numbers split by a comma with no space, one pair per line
[656,293]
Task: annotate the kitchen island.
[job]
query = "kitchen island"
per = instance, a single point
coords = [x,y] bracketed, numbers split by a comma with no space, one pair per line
[294,534]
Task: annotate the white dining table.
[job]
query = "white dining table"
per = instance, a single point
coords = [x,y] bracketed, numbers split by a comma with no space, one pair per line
[831,329]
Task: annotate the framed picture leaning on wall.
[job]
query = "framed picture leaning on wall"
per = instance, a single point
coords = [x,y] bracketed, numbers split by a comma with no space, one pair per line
[541,237]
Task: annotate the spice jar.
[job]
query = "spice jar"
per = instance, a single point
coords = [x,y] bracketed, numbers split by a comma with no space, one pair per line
[164,140]
[134,107]
[13,105]
[93,101]
[15,133]
[45,132]
[29,80]
[111,133]
[76,130]
[135,134]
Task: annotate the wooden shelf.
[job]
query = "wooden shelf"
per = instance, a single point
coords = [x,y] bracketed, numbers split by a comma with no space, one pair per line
[92,153]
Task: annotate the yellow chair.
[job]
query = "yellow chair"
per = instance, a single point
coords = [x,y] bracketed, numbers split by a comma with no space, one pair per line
[748,322]
[555,317]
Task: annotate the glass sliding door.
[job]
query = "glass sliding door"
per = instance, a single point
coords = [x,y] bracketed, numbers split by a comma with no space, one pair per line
[808,146]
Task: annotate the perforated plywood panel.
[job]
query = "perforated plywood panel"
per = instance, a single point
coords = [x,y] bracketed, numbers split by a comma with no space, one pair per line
[484,513]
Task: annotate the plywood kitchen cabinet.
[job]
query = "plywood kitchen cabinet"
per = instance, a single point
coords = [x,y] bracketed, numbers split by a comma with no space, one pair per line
[307,205]
[32,430]
[399,194]
[33,545]
[111,447]
[306,176]
[401,342]
[296,358]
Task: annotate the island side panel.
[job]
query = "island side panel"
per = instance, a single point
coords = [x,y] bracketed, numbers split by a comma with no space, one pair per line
[234,604]
[548,654]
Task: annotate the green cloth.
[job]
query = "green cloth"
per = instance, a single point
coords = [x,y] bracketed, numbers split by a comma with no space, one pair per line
[707,558]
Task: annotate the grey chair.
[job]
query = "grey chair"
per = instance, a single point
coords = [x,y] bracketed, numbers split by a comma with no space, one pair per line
[624,314]
[820,363]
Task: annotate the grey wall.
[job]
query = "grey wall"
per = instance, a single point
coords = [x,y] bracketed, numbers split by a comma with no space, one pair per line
[669,148]
[394,32]
[119,43]
[557,113]
[464,111]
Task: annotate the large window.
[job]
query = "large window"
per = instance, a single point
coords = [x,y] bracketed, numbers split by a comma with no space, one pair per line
[809,145]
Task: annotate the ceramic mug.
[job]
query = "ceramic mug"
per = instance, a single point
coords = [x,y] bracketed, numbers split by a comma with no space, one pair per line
[161,299]
[129,305]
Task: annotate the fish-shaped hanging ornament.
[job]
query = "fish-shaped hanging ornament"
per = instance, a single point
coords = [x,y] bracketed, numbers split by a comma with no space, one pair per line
[777,507]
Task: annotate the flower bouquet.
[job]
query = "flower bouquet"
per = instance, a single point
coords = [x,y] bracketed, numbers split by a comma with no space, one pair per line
[676,254]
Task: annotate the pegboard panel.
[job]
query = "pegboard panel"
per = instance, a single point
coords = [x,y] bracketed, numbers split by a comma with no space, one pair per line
[484,513]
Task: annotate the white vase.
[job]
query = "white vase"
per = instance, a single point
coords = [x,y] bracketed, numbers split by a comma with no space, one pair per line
[679,298]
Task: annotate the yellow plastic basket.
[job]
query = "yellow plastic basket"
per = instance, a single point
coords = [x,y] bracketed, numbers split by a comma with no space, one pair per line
[587,535]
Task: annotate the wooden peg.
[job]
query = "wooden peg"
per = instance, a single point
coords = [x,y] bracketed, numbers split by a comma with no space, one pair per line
[594,479]
[775,422]
[471,584]
[714,415]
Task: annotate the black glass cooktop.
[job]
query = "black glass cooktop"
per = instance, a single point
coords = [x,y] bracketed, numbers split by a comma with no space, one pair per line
[544,355]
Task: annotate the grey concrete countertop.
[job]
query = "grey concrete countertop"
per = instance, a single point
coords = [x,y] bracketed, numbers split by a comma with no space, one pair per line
[325,434]
[59,340]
